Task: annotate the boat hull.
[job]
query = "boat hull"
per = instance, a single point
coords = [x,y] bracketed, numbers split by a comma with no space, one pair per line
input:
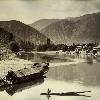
[25,75]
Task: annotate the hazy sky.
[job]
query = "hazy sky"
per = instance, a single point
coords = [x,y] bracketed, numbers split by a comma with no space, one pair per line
[29,11]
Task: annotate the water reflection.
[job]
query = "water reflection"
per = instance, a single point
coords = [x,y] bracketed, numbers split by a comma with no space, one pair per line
[89,59]
[81,73]
[42,57]
[64,78]
[20,87]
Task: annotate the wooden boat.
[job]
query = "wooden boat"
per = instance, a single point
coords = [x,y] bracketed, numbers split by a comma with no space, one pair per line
[36,71]
[67,94]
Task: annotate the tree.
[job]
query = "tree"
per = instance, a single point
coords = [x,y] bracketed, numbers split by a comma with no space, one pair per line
[14,46]
[48,41]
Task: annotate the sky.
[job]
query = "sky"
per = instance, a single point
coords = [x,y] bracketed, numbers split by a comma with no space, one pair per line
[29,11]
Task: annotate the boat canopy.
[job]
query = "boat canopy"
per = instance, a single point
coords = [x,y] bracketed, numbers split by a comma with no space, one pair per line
[27,71]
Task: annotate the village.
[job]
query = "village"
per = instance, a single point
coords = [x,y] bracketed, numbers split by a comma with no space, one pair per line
[85,49]
[90,49]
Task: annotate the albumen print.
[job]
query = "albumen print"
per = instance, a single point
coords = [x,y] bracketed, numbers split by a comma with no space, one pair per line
[49,49]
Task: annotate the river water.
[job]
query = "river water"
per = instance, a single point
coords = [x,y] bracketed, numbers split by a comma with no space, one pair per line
[66,74]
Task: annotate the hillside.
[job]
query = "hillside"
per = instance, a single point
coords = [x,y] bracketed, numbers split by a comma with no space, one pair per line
[83,29]
[23,32]
[5,39]
[42,23]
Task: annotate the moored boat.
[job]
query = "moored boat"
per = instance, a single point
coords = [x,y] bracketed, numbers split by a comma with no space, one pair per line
[36,71]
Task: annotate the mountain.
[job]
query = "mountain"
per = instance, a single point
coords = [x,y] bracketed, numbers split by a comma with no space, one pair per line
[42,23]
[23,32]
[83,29]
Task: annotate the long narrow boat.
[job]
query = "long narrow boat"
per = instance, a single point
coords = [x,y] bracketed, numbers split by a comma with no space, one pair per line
[67,94]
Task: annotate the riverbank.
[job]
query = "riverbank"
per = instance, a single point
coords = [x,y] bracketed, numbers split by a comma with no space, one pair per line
[47,52]
[62,55]
[16,63]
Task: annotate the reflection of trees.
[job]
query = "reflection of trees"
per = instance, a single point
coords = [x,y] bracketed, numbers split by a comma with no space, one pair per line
[83,73]
[62,73]
[41,57]
[89,60]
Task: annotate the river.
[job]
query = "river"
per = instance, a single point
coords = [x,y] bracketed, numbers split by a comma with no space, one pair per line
[66,74]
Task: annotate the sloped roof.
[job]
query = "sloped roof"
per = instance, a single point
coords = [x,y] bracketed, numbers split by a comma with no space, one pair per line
[27,71]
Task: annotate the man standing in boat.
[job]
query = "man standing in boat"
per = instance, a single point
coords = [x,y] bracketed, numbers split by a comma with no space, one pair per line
[48,91]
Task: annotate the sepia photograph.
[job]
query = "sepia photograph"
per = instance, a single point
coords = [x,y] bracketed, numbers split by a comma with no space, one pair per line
[49,49]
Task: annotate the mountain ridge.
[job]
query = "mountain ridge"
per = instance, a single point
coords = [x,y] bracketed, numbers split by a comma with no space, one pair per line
[23,31]
[42,23]
[82,29]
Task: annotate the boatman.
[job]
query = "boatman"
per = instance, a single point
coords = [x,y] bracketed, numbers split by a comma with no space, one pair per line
[48,91]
